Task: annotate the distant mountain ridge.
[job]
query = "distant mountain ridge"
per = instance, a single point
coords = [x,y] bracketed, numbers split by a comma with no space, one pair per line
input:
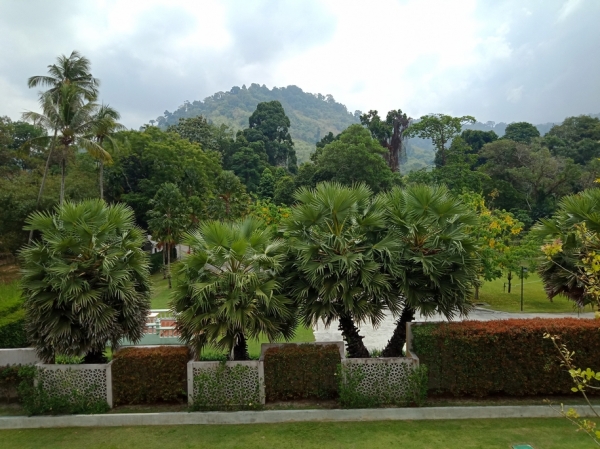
[312,116]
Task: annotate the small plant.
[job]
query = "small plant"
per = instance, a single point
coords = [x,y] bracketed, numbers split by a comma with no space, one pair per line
[68,360]
[418,381]
[9,380]
[226,388]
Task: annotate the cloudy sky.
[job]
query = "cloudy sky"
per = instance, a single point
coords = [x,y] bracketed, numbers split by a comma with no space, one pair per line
[497,60]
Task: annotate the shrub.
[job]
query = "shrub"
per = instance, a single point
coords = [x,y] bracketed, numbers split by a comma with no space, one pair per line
[301,371]
[12,318]
[149,375]
[9,381]
[227,386]
[510,357]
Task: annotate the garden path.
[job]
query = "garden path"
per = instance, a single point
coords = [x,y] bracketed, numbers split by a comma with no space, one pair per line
[378,338]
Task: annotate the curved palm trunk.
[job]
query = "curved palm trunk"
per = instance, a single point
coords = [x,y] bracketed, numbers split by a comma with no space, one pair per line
[396,343]
[354,341]
[101,180]
[169,263]
[44,176]
[240,350]
[63,164]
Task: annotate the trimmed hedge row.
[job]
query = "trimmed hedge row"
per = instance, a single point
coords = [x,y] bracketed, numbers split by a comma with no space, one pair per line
[149,375]
[12,324]
[301,372]
[511,357]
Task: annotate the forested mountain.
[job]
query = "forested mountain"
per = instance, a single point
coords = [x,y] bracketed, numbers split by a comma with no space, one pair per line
[312,116]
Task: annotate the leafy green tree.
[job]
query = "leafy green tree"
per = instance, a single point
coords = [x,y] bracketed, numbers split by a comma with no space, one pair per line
[441,129]
[438,257]
[147,159]
[477,139]
[577,138]
[284,191]
[389,133]
[199,130]
[342,258]
[229,291]
[168,219]
[230,200]
[85,281]
[266,188]
[522,132]
[270,124]
[354,158]
[248,163]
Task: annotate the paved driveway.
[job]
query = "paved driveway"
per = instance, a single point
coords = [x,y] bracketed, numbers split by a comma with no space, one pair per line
[378,338]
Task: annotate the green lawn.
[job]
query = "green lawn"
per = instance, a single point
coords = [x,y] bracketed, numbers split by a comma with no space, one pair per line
[161,293]
[9,291]
[457,434]
[534,297]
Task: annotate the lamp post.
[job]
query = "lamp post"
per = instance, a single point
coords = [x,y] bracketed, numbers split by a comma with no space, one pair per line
[523,270]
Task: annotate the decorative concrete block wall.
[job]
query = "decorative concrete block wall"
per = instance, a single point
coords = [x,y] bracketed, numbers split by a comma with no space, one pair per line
[18,356]
[226,383]
[93,380]
[385,378]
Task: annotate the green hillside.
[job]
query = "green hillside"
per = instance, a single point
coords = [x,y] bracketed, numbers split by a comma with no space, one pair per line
[312,116]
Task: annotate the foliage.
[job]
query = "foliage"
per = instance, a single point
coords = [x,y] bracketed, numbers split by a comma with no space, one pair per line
[12,318]
[149,158]
[384,391]
[150,375]
[9,381]
[199,130]
[37,401]
[482,358]
[570,237]
[85,281]
[301,372]
[521,132]
[226,388]
[441,129]
[342,259]
[352,158]
[269,213]
[438,257]
[229,200]
[228,289]
[389,133]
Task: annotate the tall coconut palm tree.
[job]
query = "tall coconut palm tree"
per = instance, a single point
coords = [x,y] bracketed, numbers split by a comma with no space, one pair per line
[105,126]
[228,290]
[342,259]
[438,256]
[73,71]
[73,119]
[86,280]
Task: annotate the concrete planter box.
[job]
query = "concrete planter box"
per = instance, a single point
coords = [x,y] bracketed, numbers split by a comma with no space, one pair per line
[225,383]
[384,378]
[18,356]
[91,379]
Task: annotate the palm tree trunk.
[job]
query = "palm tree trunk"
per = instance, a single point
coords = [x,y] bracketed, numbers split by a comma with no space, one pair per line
[101,180]
[396,343]
[63,163]
[354,341]
[94,357]
[240,349]
[44,176]
[169,263]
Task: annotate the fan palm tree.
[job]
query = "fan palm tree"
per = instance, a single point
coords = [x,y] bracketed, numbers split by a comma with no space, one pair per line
[562,272]
[438,256]
[73,119]
[73,71]
[228,290]
[342,259]
[105,126]
[85,281]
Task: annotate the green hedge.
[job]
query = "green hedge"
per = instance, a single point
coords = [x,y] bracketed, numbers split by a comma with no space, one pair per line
[150,375]
[301,372]
[12,323]
[510,357]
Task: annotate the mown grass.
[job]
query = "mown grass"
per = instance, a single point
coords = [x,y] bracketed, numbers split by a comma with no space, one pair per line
[448,434]
[534,297]
[9,292]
